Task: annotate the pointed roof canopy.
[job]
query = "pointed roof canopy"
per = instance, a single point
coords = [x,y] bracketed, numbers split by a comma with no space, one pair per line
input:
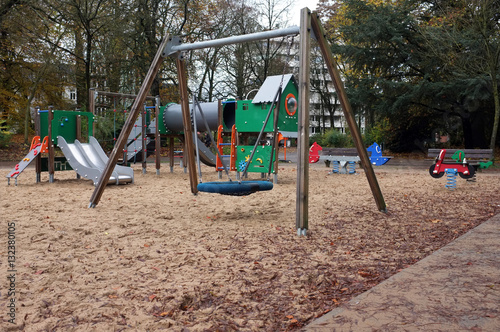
[268,89]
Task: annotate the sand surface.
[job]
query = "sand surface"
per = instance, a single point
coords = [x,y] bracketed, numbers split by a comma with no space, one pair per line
[152,256]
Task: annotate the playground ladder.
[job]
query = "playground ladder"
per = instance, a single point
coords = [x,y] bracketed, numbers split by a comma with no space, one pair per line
[220,147]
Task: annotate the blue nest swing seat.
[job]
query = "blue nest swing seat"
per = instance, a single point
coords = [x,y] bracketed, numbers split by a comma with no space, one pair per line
[235,188]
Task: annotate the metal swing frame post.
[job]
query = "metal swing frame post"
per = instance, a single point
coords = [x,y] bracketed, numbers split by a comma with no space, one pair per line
[51,146]
[195,125]
[143,138]
[302,198]
[157,136]
[38,160]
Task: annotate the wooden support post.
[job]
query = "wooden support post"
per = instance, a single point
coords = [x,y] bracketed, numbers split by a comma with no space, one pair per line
[182,159]
[157,135]
[143,138]
[219,112]
[302,200]
[51,146]
[276,160]
[79,134]
[79,128]
[92,95]
[129,124]
[38,160]
[188,152]
[348,113]
[171,153]
[276,141]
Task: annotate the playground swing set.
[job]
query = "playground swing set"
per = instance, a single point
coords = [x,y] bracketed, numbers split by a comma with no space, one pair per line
[294,123]
[309,25]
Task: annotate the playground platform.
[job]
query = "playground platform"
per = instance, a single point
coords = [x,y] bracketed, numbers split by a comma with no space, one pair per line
[457,288]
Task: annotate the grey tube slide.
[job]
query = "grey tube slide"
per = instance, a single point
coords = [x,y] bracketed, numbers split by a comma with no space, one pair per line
[172,118]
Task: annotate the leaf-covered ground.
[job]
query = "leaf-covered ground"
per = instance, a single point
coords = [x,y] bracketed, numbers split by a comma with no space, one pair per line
[152,256]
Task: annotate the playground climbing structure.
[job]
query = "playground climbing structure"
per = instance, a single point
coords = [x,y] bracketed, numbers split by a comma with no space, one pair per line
[36,149]
[63,129]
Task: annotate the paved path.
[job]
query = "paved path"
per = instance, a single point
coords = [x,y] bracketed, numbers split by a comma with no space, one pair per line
[457,288]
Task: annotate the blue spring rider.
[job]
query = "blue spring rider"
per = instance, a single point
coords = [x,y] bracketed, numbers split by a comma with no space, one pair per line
[376,158]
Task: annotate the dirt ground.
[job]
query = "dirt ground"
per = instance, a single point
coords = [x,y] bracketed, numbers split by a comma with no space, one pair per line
[152,256]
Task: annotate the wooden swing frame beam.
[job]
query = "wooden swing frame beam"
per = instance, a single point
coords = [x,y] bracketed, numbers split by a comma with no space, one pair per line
[309,22]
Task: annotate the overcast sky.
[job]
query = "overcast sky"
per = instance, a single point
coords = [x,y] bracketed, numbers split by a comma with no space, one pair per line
[297,6]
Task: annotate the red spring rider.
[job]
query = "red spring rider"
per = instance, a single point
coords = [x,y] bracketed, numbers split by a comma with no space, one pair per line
[437,170]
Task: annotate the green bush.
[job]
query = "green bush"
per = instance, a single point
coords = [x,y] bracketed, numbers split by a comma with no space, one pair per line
[104,131]
[332,138]
[374,134]
[5,138]
[318,138]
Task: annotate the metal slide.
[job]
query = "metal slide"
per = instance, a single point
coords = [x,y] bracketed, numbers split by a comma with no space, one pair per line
[134,141]
[206,155]
[89,161]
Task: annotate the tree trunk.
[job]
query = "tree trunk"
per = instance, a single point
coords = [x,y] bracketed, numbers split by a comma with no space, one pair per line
[494,132]
[79,69]
[467,131]
[88,73]
[26,120]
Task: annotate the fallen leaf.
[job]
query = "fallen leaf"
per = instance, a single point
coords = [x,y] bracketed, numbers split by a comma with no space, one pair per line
[289,317]
[364,274]
[146,245]
[151,297]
